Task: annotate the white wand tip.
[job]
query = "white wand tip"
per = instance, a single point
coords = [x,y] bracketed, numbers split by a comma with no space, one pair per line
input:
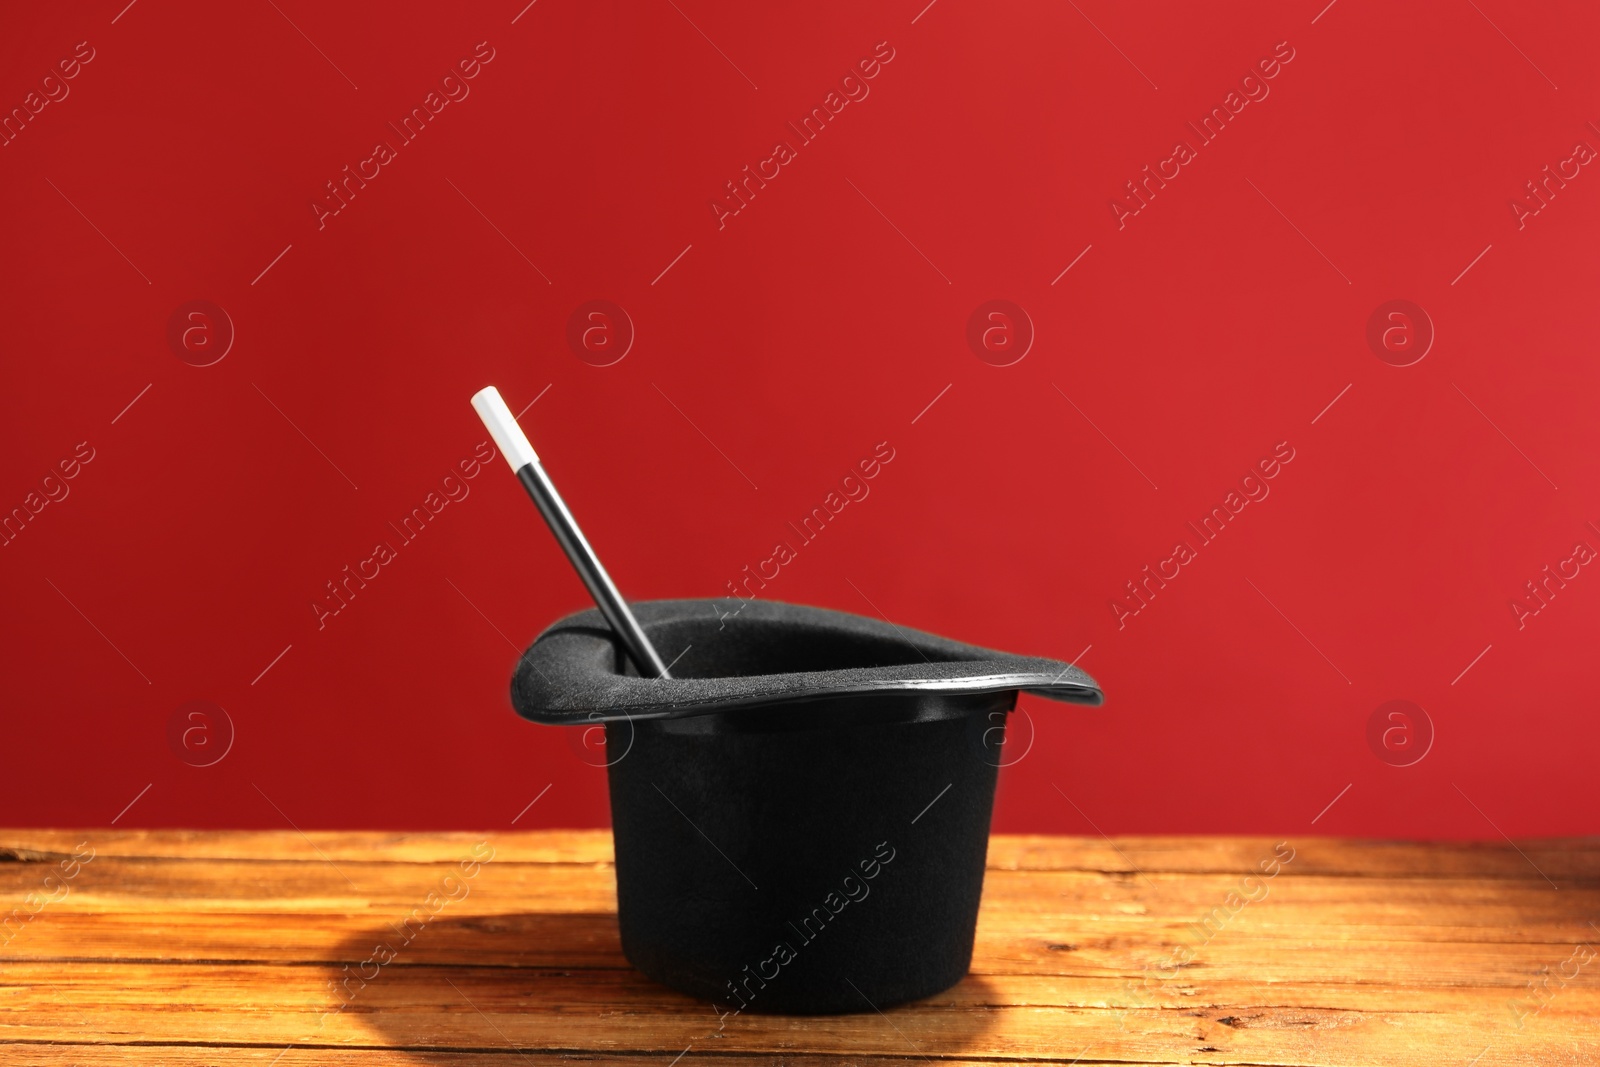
[502,426]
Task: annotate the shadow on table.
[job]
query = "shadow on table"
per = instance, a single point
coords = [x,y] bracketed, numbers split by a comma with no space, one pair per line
[559,981]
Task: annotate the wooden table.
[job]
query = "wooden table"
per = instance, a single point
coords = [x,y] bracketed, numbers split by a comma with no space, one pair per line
[210,948]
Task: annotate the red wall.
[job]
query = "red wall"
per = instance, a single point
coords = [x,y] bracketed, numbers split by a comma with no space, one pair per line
[1174,348]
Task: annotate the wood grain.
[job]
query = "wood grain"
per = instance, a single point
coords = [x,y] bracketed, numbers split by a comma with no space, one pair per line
[198,948]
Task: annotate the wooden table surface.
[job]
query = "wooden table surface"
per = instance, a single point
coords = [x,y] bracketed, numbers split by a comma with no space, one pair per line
[193,948]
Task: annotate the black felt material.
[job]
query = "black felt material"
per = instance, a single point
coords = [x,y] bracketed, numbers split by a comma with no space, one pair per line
[769,653]
[730,845]
[801,813]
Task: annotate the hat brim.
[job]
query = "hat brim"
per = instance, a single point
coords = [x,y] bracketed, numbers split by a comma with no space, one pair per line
[764,653]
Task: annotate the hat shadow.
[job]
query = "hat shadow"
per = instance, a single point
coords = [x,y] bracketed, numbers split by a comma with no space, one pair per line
[557,982]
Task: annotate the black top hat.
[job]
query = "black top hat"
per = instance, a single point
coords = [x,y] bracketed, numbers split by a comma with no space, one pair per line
[801,812]
[759,654]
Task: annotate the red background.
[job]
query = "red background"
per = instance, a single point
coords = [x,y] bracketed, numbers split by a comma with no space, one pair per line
[1221,320]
